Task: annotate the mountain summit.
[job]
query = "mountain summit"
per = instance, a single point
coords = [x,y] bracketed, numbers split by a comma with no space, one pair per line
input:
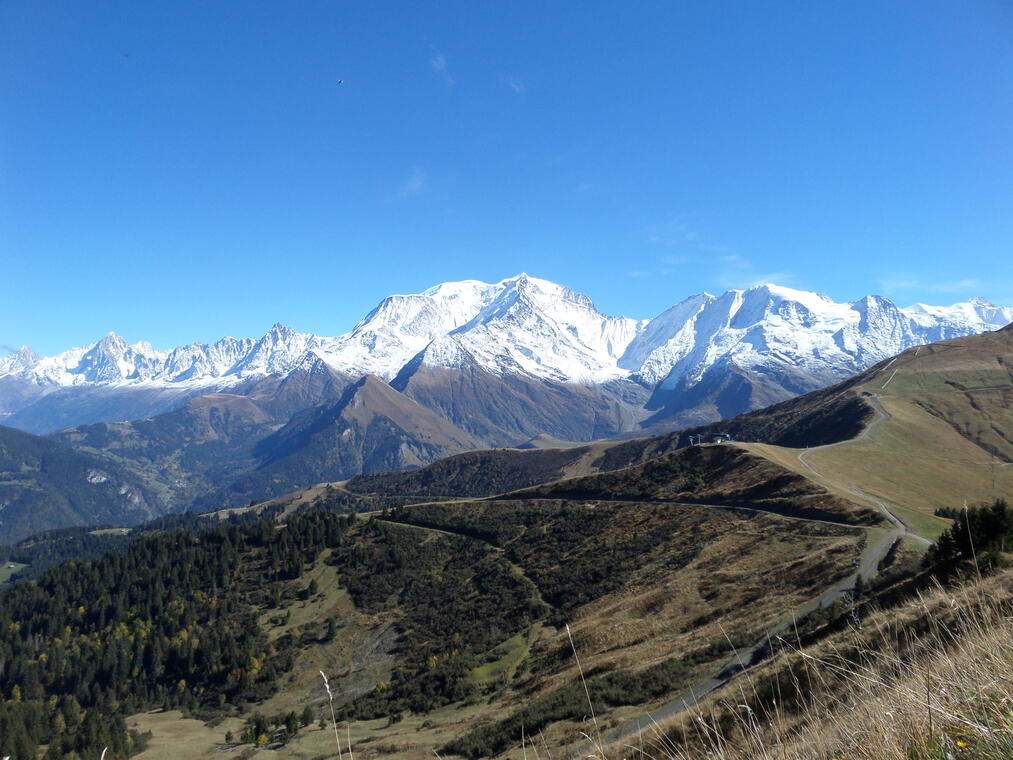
[778,341]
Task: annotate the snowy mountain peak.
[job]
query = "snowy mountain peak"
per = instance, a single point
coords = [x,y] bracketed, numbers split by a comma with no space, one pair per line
[112,343]
[545,293]
[26,356]
[870,301]
[534,327]
[983,302]
[280,332]
[19,361]
[538,328]
[277,353]
[768,297]
[107,361]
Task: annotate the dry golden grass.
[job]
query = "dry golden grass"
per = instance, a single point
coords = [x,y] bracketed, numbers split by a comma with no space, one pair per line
[288,502]
[932,680]
[174,737]
[947,440]
[748,573]
[915,460]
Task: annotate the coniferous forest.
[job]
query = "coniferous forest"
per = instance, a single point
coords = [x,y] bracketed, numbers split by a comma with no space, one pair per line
[172,622]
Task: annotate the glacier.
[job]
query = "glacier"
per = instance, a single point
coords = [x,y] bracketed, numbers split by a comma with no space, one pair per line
[532,327]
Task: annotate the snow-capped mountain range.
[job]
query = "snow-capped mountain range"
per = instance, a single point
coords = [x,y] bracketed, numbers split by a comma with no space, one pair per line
[463,365]
[537,329]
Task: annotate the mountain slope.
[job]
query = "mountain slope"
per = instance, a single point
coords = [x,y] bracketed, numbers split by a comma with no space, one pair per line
[186,452]
[45,484]
[370,428]
[503,409]
[705,358]
[947,437]
[209,440]
[941,433]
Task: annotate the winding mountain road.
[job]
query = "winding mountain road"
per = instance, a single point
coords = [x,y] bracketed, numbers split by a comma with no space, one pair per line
[903,529]
[868,566]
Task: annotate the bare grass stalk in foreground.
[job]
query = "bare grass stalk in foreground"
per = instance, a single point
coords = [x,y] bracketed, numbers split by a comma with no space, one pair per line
[590,705]
[930,680]
[334,722]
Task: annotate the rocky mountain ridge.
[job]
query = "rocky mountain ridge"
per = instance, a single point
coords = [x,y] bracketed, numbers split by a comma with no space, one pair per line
[704,358]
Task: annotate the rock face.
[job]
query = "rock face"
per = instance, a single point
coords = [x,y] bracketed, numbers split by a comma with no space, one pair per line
[371,428]
[506,361]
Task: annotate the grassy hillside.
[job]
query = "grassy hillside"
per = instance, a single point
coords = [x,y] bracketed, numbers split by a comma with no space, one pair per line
[929,679]
[678,585]
[720,475]
[943,419]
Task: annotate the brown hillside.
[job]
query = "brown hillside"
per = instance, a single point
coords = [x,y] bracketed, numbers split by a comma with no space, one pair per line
[724,475]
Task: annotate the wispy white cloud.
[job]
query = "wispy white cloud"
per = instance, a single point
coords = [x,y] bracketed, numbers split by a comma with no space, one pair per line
[416,183]
[969,284]
[730,280]
[517,85]
[672,234]
[903,282]
[675,260]
[685,245]
[438,62]
[737,271]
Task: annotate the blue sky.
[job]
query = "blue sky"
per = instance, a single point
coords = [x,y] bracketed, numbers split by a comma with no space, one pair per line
[179,171]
